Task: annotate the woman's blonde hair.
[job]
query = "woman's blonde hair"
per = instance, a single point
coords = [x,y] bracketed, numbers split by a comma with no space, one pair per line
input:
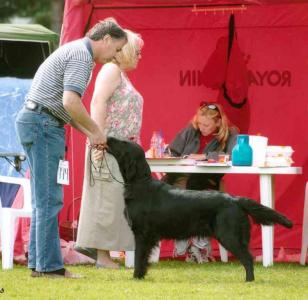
[214,111]
[126,57]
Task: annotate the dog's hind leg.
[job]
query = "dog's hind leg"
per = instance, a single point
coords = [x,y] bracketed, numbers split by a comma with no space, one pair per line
[142,253]
[232,230]
[242,253]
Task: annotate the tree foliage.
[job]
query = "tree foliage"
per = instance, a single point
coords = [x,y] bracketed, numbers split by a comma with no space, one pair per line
[40,11]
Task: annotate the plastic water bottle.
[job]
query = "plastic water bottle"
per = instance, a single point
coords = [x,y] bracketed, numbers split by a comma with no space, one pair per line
[155,144]
[161,144]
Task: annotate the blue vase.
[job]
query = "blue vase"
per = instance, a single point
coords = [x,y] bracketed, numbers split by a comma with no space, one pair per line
[242,152]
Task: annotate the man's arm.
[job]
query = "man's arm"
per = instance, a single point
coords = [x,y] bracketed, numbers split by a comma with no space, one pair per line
[81,119]
[80,128]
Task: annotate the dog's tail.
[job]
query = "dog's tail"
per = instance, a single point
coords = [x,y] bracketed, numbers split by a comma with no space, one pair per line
[262,214]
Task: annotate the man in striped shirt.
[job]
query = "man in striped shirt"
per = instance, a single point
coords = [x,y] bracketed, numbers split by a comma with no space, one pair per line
[54,99]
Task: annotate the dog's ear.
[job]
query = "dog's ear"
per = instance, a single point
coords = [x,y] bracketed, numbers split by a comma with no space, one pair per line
[130,169]
[131,160]
[136,169]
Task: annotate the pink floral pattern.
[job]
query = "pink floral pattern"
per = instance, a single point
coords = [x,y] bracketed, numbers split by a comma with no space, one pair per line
[124,111]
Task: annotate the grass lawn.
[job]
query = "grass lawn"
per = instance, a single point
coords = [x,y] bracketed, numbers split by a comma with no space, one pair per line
[165,280]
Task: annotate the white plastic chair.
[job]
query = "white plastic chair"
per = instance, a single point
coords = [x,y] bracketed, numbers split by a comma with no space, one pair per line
[302,260]
[8,217]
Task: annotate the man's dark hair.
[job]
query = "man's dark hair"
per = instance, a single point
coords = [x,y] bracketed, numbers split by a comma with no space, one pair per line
[107,26]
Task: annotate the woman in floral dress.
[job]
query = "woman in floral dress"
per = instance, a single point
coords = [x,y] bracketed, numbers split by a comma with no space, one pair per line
[116,106]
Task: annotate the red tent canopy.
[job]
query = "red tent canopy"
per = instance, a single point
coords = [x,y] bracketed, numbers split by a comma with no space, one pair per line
[178,42]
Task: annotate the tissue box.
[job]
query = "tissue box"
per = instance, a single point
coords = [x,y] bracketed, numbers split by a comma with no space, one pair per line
[279,151]
[278,156]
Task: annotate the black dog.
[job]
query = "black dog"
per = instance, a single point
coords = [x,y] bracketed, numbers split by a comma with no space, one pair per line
[157,210]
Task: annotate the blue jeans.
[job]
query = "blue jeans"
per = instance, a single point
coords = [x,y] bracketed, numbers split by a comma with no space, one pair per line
[43,139]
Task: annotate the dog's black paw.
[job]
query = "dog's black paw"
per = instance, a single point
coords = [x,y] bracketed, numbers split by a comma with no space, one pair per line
[138,275]
[250,278]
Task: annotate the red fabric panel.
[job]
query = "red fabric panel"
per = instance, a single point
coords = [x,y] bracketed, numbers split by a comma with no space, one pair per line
[76,16]
[178,44]
[230,76]
[216,65]
[237,76]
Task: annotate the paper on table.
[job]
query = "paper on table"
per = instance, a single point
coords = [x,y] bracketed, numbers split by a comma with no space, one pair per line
[171,161]
[212,164]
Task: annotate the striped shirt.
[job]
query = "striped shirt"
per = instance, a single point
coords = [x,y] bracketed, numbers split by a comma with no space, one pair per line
[67,69]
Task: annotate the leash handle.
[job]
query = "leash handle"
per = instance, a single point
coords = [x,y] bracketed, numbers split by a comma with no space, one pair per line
[92,180]
[113,177]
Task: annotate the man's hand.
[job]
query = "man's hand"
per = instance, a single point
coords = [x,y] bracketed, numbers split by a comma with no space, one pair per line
[98,140]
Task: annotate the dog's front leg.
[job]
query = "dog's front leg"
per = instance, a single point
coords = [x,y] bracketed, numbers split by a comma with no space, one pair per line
[142,253]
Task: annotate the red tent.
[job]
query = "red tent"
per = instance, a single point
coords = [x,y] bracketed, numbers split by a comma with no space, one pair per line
[178,42]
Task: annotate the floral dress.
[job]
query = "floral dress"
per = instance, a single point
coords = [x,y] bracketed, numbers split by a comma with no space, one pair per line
[102,224]
[124,111]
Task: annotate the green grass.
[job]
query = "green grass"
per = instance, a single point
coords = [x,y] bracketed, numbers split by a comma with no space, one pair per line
[165,280]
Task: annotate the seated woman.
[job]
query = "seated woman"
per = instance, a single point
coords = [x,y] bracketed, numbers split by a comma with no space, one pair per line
[209,132]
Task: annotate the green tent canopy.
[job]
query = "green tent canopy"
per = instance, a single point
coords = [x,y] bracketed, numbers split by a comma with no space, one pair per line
[23,47]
